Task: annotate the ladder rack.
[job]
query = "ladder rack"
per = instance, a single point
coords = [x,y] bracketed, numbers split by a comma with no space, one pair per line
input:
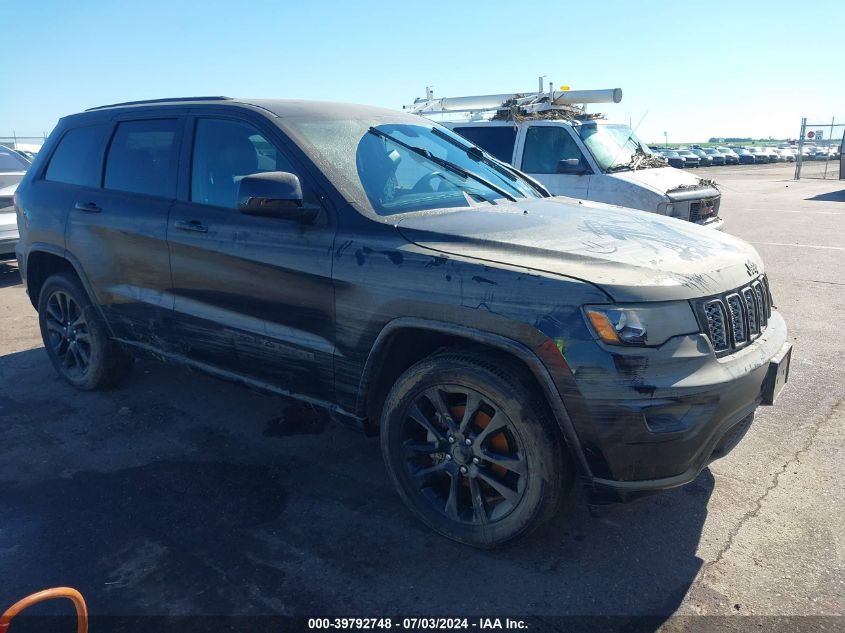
[527,103]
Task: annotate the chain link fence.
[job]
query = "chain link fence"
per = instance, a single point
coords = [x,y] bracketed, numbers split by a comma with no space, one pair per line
[819,151]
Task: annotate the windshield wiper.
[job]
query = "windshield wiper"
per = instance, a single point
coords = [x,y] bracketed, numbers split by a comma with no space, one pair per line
[445,164]
[477,153]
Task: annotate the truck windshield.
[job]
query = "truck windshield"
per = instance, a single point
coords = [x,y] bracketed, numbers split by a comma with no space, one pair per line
[615,147]
[400,167]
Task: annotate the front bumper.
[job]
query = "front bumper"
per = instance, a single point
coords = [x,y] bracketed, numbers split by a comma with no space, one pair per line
[661,415]
[716,223]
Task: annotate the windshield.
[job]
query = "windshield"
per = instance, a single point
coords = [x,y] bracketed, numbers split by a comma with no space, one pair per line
[613,146]
[404,167]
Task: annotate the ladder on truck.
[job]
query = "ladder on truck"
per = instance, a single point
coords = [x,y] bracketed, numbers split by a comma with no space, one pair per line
[527,103]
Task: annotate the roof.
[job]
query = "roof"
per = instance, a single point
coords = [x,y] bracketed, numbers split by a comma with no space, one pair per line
[164,101]
[283,108]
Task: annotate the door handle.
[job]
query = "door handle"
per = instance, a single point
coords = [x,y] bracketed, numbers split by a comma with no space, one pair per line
[88,207]
[191,225]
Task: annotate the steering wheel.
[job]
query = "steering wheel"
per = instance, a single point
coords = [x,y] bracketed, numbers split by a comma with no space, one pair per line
[424,185]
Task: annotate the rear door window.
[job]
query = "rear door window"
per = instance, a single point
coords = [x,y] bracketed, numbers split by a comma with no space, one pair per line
[78,156]
[142,157]
[497,140]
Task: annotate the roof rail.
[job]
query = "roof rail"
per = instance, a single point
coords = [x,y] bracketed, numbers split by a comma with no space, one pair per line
[146,101]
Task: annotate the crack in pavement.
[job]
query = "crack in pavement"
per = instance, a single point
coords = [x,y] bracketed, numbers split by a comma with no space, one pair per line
[759,503]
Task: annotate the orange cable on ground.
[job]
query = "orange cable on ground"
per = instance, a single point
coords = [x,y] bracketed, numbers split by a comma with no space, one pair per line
[49,594]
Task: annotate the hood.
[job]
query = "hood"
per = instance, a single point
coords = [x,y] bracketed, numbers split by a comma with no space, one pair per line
[632,255]
[658,179]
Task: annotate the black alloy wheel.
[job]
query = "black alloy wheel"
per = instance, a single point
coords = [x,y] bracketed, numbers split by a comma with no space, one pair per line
[68,333]
[471,449]
[463,454]
[76,338]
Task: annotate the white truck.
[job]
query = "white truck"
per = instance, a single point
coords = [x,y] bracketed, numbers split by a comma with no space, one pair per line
[574,153]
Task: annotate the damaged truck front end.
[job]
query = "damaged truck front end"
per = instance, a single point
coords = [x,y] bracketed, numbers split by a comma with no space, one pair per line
[697,203]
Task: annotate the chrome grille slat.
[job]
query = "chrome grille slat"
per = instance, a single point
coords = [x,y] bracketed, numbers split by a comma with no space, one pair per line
[768,295]
[737,319]
[752,310]
[762,304]
[717,324]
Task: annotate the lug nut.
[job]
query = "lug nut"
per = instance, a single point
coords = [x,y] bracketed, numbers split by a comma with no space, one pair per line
[468,442]
[451,440]
[464,470]
[448,456]
[475,460]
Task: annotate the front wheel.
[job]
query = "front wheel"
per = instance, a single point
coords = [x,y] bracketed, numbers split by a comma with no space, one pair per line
[470,449]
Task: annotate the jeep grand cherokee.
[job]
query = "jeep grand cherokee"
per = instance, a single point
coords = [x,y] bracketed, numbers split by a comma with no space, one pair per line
[504,343]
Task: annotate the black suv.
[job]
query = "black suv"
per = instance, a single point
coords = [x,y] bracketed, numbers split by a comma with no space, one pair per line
[502,342]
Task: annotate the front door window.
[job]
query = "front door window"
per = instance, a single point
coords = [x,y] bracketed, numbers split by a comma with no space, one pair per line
[546,146]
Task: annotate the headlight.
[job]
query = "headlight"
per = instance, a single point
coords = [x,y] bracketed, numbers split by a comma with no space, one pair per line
[674,209]
[665,208]
[644,324]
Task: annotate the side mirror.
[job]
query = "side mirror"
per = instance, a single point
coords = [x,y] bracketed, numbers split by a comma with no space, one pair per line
[275,194]
[571,166]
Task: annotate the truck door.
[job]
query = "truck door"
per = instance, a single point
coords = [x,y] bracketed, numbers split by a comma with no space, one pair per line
[550,154]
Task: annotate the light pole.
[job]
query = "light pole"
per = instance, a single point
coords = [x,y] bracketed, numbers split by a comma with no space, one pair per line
[666,139]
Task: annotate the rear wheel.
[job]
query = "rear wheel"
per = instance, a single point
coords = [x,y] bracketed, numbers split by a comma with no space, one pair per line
[75,337]
[470,449]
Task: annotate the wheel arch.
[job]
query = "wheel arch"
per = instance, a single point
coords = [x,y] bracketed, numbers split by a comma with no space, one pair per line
[44,260]
[391,355]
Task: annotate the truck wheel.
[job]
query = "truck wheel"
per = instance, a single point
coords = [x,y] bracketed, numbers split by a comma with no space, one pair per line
[75,337]
[470,449]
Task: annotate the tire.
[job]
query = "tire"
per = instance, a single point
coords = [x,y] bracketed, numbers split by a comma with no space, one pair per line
[75,337]
[506,471]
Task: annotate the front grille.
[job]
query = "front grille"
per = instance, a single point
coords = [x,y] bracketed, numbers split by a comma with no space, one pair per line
[706,209]
[731,321]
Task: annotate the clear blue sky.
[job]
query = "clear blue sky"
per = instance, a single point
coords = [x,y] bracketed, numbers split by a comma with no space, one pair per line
[694,69]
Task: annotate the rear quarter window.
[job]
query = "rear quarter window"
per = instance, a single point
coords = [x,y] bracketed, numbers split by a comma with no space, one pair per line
[142,157]
[76,160]
[498,140]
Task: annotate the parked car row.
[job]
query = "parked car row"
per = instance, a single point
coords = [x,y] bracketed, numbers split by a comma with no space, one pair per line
[695,156]
[720,156]
[13,166]
[820,152]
